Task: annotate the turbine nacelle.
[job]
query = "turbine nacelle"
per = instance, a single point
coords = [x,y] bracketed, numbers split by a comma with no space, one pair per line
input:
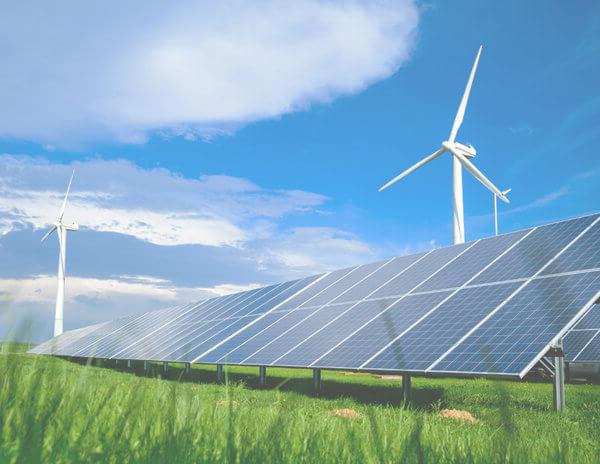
[468,151]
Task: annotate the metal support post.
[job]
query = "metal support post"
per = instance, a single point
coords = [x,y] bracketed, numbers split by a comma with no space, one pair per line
[165,366]
[317,384]
[262,375]
[406,388]
[188,368]
[219,372]
[145,366]
[558,390]
[129,364]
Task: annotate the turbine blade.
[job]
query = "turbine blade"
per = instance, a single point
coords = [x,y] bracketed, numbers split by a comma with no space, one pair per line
[64,205]
[460,114]
[52,229]
[479,175]
[423,162]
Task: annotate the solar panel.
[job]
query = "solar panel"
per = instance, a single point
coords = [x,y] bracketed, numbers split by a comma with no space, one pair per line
[490,307]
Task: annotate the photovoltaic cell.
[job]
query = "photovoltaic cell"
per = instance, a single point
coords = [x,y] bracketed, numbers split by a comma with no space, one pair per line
[378,278]
[347,283]
[534,251]
[471,262]
[420,271]
[591,320]
[381,331]
[318,287]
[519,331]
[575,341]
[267,335]
[583,254]
[279,346]
[327,336]
[434,335]
[591,353]
[229,345]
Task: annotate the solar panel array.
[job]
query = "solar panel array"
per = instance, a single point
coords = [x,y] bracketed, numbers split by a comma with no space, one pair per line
[490,307]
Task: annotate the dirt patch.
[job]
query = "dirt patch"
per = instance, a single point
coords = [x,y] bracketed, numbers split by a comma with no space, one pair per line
[346,413]
[227,402]
[457,414]
[390,377]
[350,373]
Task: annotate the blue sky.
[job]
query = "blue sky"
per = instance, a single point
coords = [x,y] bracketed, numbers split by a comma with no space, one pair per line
[218,148]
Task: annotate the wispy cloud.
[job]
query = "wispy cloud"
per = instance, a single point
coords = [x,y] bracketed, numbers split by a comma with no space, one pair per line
[74,73]
[521,129]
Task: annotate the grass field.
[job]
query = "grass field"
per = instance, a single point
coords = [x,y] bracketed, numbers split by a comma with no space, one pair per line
[53,410]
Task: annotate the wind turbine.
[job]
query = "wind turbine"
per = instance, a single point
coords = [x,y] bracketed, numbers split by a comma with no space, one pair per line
[61,230]
[504,192]
[460,157]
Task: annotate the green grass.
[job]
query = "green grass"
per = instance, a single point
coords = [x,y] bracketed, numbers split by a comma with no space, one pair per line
[53,410]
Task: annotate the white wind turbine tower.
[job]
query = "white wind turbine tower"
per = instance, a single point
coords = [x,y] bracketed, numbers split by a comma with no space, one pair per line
[504,192]
[61,230]
[460,157]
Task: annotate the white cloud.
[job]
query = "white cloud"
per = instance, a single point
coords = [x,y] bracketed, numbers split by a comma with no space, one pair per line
[42,289]
[154,205]
[76,72]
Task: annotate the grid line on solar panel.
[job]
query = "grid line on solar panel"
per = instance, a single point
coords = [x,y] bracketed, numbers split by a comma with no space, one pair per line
[585,254]
[591,320]
[487,266]
[500,259]
[58,344]
[248,347]
[373,281]
[288,290]
[576,341]
[106,348]
[166,331]
[308,283]
[327,281]
[422,270]
[196,320]
[293,328]
[446,264]
[132,332]
[348,282]
[175,316]
[533,254]
[228,345]
[191,333]
[80,346]
[374,291]
[431,337]
[514,338]
[193,336]
[374,331]
[468,263]
[591,353]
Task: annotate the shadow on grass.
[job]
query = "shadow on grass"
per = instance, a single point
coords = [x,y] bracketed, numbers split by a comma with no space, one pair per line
[389,395]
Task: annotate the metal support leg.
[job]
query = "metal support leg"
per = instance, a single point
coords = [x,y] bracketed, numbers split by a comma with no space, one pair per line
[219,372]
[406,388]
[262,375]
[559,378]
[165,366]
[188,368]
[129,364]
[145,366]
[317,384]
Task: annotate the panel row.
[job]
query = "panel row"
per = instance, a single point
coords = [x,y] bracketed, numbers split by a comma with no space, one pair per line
[474,307]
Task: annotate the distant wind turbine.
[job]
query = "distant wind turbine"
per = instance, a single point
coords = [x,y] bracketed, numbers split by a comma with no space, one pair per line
[460,157]
[504,192]
[61,229]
